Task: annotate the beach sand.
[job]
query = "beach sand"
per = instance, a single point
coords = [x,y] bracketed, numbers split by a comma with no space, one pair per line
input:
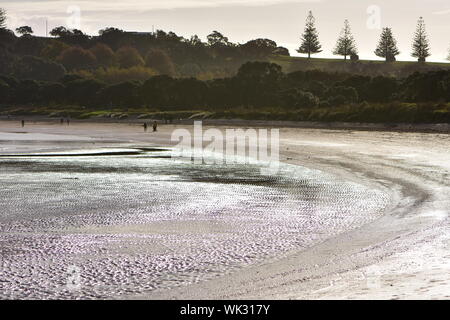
[402,254]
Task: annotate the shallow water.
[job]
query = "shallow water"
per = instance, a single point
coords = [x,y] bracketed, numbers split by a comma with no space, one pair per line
[103,225]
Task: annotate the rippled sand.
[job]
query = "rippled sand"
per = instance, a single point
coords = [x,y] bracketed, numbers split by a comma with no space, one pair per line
[97,201]
[133,223]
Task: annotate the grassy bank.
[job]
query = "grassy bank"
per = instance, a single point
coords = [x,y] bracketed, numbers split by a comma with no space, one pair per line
[395,112]
[364,67]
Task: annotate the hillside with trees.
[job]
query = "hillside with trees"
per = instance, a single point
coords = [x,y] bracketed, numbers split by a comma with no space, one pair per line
[259,90]
[164,75]
[127,55]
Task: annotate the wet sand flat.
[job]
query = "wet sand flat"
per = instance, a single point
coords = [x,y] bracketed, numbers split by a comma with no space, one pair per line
[345,207]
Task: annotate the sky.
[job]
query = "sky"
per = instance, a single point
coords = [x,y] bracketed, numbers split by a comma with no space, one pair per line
[242,20]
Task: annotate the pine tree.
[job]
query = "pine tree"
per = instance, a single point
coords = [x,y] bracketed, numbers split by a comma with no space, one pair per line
[2,19]
[387,47]
[310,38]
[346,43]
[421,46]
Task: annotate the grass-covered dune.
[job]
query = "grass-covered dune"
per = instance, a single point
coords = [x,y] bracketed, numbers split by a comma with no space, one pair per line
[362,67]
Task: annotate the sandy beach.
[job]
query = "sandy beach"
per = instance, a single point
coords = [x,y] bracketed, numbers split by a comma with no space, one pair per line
[382,230]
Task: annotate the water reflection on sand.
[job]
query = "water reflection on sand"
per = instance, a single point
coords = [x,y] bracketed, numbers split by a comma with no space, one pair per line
[132,222]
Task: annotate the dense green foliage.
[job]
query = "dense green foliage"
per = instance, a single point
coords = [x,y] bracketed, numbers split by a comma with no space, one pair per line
[163,53]
[387,46]
[421,45]
[346,45]
[258,88]
[136,54]
[161,74]
[310,39]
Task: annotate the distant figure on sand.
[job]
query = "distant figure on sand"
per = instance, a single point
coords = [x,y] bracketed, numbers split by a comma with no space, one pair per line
[155,126]
[23,123]
[145,126]
[68,122]
[62,121]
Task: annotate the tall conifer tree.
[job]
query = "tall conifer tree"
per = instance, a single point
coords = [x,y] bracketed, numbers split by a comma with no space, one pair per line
[2,19]
[345,45]
[421,46]
[387,46]
[310,38]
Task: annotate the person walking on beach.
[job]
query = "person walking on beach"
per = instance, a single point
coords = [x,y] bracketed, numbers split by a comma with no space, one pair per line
[155,126]
[23,123]
[145,126]
[62,121]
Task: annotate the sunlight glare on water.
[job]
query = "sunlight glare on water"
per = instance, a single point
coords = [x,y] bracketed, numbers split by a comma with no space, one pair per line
[135,223]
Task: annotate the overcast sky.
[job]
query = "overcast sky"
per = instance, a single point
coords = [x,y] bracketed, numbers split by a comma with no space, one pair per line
[243,20]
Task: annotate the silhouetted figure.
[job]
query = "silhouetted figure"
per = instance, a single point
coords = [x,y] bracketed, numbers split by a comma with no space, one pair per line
[145,126]
[62,121]
[155,126]
[23,123]
[68,122]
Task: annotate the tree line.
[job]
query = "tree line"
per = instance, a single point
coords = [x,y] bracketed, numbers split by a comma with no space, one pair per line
[114,51]
[346,45]
[310,44]
[116,55]
[256,85]
[163,70]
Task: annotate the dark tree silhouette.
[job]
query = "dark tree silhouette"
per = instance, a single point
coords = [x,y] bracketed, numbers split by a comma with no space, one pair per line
[310,38]
[83,91]
[28,45]
[72,37]
[104,55]
[113,37]
[421,46]
[29,67]
[121,94]
[76,58]
[258,83]
[54,49]
[5,91]
[24,30]
[259,48]
[345,45]
[260,71]
[387,46]
[60,32]
[110,30]
[282,51]
[128,57]
[221,47]
[159,60]
[216,38]
[195,41]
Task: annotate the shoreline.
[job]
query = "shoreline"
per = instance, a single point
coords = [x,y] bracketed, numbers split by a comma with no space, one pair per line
[348,265]
[442,128]
[410,164]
